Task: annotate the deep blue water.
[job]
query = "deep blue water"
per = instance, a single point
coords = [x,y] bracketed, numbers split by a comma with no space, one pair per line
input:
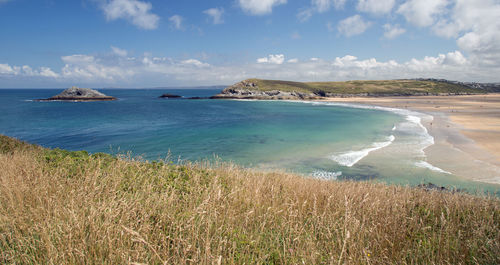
[265,134]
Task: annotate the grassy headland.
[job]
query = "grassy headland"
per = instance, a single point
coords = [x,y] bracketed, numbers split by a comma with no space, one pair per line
[61,207]
[268,89]
[372,87]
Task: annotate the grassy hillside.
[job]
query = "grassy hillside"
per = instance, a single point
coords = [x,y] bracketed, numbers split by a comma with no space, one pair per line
[60,207]
[359,87]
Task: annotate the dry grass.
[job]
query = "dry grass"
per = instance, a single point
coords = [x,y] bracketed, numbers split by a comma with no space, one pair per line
[60,207]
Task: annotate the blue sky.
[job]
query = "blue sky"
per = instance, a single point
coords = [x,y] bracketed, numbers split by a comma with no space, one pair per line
[150,43]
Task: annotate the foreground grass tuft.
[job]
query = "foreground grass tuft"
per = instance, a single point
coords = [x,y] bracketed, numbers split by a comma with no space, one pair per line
[60,207]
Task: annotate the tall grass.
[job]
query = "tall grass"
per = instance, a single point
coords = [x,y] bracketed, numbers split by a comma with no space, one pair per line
[59,207]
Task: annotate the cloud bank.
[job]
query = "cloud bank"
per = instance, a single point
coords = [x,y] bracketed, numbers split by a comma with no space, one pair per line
[118,69]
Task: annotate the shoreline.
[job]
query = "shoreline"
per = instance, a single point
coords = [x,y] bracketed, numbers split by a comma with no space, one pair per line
[465,128]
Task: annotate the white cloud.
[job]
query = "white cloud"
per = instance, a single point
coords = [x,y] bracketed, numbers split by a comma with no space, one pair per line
[477,25]
[422,13]
[305,14]
[293,60]
[319,6]
[474,24]
[452,61]
[78,59]
[195,63]
[47,72]
[378,7]
[348,59]
[445,28]
[272,59]
[119,52]
[352,26]
[26,70]
[325,5]
[259,7]
[215,14]
[392,31]
[135,11]
[455,58]
[176,21]
[6,69]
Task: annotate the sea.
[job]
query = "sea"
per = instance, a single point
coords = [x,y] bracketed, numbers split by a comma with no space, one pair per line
[331,141]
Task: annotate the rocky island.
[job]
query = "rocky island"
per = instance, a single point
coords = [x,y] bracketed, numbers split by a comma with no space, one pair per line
[79,94]
[278,89]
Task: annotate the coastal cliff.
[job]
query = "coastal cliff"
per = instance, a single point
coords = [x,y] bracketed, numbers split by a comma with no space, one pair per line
[278,89]
[80,94]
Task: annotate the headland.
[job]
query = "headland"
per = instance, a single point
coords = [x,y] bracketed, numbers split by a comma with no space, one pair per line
[279,89]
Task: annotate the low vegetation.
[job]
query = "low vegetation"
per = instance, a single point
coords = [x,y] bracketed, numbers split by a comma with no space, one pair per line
[380,87]
[61,207]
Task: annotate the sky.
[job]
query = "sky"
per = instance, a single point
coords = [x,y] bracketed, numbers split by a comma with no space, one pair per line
[166,43]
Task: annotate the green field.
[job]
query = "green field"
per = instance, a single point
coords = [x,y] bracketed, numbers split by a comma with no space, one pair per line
[379,87]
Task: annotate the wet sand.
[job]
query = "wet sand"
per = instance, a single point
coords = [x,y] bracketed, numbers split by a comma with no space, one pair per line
[466,130]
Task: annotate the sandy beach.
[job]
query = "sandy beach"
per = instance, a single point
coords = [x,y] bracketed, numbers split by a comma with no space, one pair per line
[466,130]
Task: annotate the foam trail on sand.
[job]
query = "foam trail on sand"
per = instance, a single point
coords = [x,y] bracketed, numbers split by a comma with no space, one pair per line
[350,158]
[424,164]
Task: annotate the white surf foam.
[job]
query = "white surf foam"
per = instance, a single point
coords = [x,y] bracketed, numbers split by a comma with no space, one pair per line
[245,99]
[350,158]
[327,175]
[424,164]
[412,124]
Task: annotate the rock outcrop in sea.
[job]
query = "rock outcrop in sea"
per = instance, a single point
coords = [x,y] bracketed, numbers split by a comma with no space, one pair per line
[167,95]
[80,94]
[250,90]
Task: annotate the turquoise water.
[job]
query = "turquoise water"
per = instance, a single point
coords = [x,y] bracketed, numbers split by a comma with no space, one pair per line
[334,142]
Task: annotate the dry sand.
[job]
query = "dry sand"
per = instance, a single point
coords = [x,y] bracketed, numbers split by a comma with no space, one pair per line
[470,124]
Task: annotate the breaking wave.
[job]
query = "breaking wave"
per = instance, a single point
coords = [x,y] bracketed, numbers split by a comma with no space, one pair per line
[327,175]
[350,158]
[424,164]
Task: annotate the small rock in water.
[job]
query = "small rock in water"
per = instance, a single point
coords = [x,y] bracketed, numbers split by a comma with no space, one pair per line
[432,186]
[169,96]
